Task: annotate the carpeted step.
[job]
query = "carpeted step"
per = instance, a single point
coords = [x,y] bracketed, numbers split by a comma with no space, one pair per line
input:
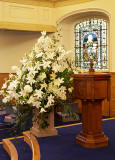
[5,125]
[6,131]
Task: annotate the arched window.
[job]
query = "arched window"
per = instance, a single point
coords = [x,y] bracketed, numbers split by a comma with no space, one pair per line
[91,43]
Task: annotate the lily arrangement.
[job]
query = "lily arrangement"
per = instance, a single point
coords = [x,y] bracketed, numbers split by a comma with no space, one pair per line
[44,77]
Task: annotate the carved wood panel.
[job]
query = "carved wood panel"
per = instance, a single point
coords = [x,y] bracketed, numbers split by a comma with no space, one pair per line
[100,92]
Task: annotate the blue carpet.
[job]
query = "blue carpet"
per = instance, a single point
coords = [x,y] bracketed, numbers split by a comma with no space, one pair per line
[3,154]
[24,151]
[63,146]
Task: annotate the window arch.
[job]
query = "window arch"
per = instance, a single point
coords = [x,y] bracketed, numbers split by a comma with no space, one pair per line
[91,43]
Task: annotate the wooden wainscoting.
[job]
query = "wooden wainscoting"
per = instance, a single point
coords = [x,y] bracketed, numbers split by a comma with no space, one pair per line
[3,76]
[112,100]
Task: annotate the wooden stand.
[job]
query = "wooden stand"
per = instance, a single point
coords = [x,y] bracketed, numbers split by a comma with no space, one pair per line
[92,88]
[50,131]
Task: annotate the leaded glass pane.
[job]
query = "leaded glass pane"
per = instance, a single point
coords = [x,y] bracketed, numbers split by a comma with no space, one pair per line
[91,43]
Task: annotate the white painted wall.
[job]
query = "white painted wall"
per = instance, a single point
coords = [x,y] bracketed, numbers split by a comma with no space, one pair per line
[13,46]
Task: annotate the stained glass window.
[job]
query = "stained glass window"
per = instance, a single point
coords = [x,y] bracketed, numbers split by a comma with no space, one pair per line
[91,43]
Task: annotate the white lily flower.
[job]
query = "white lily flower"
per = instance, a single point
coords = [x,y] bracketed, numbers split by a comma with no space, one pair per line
[50,100]
[32,70]
[46,64]
[23,61]
[39,55]
[14,68]
[30,79]
[56,68]
[6,99]
[70,89]
[58,81]
[44,85]
[36,104]
[31,100]
[42,76]
[38,93]
[42,110]
[43,33]
[13,85]
[31,55]
[28,89]
[4,86]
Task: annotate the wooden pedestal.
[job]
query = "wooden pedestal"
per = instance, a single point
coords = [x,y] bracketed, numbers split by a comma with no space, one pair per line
[50,131]
[92,135]
[91,89]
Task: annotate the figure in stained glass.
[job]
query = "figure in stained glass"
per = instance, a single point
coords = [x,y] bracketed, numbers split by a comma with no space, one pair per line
[91,43]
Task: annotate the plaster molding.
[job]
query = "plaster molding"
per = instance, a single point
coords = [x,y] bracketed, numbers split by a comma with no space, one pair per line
[87,11]
[63,3]
[26,27]
[48,3]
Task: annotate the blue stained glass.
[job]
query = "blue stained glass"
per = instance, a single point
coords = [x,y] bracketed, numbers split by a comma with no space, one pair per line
[91,43]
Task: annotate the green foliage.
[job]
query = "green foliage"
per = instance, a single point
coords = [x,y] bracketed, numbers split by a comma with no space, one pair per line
[44,118]
[23,119]
[69,112]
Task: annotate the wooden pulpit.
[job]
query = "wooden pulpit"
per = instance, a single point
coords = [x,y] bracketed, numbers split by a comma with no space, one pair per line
[92,88]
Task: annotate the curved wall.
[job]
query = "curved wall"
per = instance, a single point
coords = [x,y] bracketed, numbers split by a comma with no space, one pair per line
[67,24]
[107,10]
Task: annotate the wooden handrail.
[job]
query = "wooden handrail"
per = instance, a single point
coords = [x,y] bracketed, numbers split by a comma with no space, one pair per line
[33,143]
[10,149]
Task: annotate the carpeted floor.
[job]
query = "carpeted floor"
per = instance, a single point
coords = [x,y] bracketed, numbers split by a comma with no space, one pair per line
[23,149]
[63,146]
[3,154]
